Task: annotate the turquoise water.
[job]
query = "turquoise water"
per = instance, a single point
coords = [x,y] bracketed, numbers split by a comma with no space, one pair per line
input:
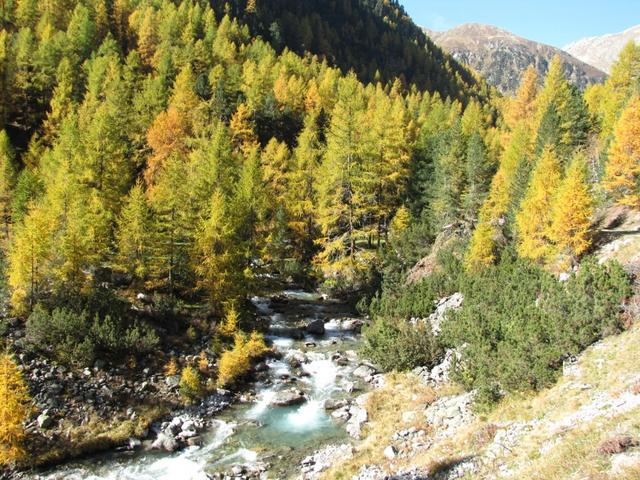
[255,431]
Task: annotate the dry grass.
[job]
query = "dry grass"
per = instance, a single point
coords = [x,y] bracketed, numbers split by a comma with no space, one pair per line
[582,452]
[94,436]
[385,407]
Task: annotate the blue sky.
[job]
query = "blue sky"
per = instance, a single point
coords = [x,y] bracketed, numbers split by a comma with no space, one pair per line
[556,22]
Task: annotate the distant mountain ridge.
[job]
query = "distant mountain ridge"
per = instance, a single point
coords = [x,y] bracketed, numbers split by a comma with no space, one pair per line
[602,51]
[501,56]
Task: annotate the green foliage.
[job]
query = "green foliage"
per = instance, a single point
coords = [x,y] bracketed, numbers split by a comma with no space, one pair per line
[515,338]
[74,337]
[398,345]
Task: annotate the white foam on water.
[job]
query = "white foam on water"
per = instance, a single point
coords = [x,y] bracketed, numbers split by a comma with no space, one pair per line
[302,295]
[242,455]
[323,374]
[261,406]
[189,464]
[308,417]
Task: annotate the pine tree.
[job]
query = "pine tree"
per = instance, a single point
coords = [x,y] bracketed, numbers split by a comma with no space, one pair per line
[534,219]
[477,175]
[572,211]
[14,410]
[134,232]
[622,171]
[450,178]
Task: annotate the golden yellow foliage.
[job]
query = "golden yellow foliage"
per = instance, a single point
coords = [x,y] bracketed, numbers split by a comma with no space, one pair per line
[534,218]
[236,362]
[622,172]
[242,128]
[203,362]
[166,136]
[482,250]
[522,106]
[255,346]
[190,384]
[571,212]
[400,221]
[14,409]
[229,327]
[171,368]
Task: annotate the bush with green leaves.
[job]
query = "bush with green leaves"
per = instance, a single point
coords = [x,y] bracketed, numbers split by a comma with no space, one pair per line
[78,337]
[518,323]
[399,345]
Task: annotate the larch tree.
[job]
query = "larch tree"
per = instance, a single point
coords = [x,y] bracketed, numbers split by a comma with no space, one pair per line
[490,233]
[534,219]
[301,195]
[522,106]
[172,232]
[572,212]
[218,261]
[134,234]
[7,181]
[341,197]
[14,410]
[622,170]
[28,258]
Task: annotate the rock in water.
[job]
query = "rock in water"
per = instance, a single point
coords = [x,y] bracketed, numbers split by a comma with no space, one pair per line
[165,442]
[316,327]
[287,398]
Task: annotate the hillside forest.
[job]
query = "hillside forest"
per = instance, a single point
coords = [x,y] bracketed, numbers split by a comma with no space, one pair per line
[197,153]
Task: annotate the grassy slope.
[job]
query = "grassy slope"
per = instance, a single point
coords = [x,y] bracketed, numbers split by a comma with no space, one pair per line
[553,435]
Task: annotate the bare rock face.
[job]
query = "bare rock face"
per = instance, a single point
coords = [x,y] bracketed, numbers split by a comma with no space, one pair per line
[603,51]
[501,57]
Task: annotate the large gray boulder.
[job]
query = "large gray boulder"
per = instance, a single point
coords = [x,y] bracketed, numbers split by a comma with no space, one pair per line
[165,442]
[287,398]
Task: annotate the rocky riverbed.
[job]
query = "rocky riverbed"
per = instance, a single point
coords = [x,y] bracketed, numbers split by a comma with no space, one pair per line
[308,395]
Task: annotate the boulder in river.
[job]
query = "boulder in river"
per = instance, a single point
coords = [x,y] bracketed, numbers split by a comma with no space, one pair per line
[316,327]
[165,442]
[287,398]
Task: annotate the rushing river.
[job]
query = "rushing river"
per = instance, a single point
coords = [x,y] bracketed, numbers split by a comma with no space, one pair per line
[257,431]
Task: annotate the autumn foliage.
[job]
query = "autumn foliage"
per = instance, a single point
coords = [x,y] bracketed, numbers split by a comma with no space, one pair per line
[14,410]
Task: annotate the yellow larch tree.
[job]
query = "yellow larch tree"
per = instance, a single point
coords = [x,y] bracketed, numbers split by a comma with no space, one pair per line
[534,218]
[522,106]
[622,171]
[14,410]
[572,212]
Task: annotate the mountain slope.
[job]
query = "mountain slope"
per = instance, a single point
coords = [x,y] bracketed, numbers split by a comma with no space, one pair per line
[375,38]
[602,51]
[501,57]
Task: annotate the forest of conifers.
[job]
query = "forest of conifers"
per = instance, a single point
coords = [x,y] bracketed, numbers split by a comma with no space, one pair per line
[193,151]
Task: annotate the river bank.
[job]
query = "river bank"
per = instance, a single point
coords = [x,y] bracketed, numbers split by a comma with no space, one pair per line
[300,399]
